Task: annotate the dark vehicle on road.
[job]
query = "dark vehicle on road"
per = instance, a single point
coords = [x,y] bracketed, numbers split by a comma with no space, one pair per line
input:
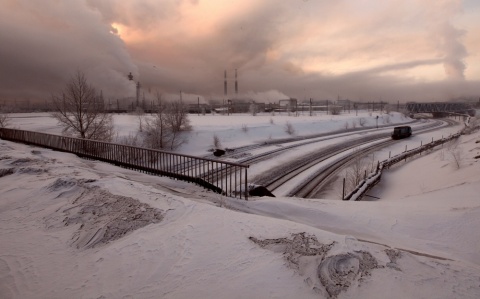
[401,132]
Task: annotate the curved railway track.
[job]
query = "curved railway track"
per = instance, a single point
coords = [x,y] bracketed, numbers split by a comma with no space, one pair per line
[237,153]
[276,177]
[207,170]
[317,180]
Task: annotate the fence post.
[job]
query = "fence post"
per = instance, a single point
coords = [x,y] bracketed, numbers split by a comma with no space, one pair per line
[246,185]
[343,192]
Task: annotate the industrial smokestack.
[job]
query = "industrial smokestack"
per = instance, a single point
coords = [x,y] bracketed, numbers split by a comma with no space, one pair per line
[236,82]
[225,83]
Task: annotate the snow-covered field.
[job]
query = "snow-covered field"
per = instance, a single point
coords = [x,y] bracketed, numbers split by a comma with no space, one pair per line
[73,228]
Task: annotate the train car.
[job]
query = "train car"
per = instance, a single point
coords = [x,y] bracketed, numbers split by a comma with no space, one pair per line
[401,132]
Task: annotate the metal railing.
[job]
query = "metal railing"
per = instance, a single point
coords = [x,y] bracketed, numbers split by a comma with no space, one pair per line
[374,177]
[223,177]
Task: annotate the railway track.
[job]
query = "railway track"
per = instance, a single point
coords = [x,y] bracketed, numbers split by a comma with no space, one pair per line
[236,154]
[286,172]
[321,178]
[281,175]
[313,185]
[241,154]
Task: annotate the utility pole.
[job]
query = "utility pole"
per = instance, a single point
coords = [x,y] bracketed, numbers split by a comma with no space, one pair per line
[310,107]
[236,82]
[225,83]
[138,93]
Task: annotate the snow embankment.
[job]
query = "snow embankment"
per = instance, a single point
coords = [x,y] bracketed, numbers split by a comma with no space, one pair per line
[76,228]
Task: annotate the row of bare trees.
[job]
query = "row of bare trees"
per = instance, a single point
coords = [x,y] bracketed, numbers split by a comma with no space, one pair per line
[80,110]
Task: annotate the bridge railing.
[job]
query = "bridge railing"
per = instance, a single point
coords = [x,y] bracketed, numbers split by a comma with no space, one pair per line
[222,177]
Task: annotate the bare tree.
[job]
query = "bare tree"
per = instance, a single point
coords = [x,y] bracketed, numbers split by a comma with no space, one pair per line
[177,122]
[4,117]
[386,119]
[131,140]
[139,113]
[358,169]
[456,153]
[335,110]
[156,127]
[289,129]
[253,109]
[166,127]
[216,141]
[81,111]
[362,121]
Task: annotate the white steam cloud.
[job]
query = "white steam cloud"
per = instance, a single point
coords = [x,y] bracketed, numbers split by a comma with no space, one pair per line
[448,37]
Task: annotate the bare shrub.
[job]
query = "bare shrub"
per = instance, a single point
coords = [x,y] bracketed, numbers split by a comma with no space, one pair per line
[131,140]
[386,119]
[456,153]
[356,171]
[81,111]
[474,124]
[165,128]
[347,125]
[140,115]
[4,117]
[177,122]
[335,110]
[156,129]
[216,141]
[404,113]
[253,109]
[289,129]
[244,128]
[362,121]
[271,121]
[388,108]
[441,155]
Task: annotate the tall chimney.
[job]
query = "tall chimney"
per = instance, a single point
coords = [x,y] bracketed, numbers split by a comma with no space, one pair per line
[225,83]
[236,82]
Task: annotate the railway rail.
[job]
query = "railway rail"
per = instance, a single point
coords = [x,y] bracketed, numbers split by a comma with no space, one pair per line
[275,178]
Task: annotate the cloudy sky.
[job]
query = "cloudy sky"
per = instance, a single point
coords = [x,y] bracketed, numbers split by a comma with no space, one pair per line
[396,50]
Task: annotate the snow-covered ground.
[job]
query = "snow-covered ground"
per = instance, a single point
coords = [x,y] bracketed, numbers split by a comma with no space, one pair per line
[233,130]
[84,229]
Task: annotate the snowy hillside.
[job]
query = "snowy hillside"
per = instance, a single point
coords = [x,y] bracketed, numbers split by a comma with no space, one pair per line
[74,228]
